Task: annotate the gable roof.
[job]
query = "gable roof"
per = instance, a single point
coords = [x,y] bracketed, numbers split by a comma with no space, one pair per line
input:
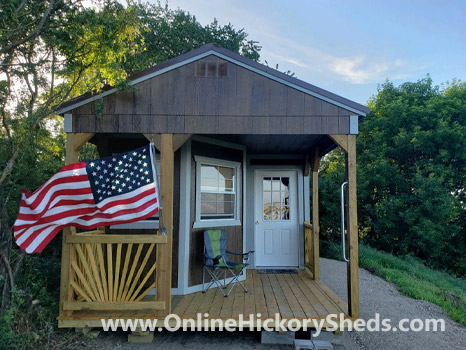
[227,55]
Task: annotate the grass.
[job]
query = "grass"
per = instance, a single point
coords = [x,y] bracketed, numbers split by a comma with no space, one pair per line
[412,278]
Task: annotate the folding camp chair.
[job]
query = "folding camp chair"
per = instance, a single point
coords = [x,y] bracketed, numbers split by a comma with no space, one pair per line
[216,261]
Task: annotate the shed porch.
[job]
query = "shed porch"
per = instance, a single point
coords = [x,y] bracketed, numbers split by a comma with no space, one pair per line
[292,296]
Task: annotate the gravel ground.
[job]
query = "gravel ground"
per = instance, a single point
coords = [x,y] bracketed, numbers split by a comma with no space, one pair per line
[376,295]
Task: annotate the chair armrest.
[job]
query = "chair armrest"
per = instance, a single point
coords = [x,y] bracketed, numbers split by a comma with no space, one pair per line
[215,260]
[244,255]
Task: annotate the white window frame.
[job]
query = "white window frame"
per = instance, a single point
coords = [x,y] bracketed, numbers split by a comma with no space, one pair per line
[198,223]
[147,224]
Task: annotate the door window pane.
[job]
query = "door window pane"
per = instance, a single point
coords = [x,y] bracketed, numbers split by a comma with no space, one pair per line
[276,198]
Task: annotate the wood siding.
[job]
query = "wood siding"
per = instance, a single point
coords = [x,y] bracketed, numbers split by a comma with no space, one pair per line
[234,233]
[242,102]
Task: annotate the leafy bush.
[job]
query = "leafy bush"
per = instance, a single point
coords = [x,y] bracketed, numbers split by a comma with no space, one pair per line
[411,175]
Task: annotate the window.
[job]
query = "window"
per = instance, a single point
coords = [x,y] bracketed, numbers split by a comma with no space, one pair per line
[211,69]
[217,192]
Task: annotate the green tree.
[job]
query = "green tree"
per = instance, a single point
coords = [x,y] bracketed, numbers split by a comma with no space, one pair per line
[50,51]
[411,173]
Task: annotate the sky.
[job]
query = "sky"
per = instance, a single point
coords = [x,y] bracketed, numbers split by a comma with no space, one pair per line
[350,47]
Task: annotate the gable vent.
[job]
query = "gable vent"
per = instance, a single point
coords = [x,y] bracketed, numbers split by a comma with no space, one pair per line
[211,69]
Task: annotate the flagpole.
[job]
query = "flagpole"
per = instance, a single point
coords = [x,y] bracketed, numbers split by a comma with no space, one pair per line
[162,227]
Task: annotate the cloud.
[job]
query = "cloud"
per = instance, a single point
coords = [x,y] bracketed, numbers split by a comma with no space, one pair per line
[354,69]
[357,70]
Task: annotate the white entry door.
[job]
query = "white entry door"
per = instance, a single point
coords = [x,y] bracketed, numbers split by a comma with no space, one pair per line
[276,219]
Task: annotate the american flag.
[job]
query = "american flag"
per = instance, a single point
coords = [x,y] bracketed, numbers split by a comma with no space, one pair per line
[108,191]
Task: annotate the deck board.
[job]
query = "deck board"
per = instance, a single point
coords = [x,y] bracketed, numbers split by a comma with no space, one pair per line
[259,297]
[289,295]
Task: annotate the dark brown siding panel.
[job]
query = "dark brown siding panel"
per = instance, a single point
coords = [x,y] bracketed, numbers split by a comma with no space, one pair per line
[175,124]
[226,125]
[329,109]
[207,96]
[226,98]
[295,103]
[124,102]
[125,123]
[188,89]
[312,106]
[142,97]
[160,98]
[108,104]
[294,125]
[244,125]
[312,125]
[244,82]
[159,122]
[278,99]
[260,96]
[343,124]
[179,96]
[332,125]
[85,109]
[277,125]
[86,123]
[261,125]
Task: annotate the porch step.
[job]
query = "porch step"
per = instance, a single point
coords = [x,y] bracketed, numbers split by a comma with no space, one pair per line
[277,338]
[301,344]
[140,337]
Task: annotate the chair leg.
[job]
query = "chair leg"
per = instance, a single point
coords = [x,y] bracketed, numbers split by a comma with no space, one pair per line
[203,280]
[234,280]
[214,275]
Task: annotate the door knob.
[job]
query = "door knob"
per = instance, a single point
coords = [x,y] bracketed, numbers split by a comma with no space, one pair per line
[257,222]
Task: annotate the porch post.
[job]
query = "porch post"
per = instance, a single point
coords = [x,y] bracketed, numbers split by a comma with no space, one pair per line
[164,252]
[353,268]
[74,143]
[315,214]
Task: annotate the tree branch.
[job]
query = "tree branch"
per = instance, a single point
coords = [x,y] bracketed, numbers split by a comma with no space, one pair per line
[34,33]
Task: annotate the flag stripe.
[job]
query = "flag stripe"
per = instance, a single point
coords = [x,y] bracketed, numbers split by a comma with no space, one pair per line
[70,205]
[61,213]
[67,171]
[85,222]
[67,177]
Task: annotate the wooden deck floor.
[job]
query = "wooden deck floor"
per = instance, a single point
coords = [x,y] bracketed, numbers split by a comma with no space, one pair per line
[289,295]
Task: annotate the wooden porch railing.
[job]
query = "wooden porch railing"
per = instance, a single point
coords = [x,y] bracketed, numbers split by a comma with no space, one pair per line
[112,272]
[311,255]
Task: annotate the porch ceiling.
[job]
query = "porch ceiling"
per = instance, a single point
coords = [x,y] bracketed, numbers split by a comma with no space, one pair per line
[255,144]
[278,144]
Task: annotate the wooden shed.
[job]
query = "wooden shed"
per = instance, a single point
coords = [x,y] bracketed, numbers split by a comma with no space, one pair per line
[260,135]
